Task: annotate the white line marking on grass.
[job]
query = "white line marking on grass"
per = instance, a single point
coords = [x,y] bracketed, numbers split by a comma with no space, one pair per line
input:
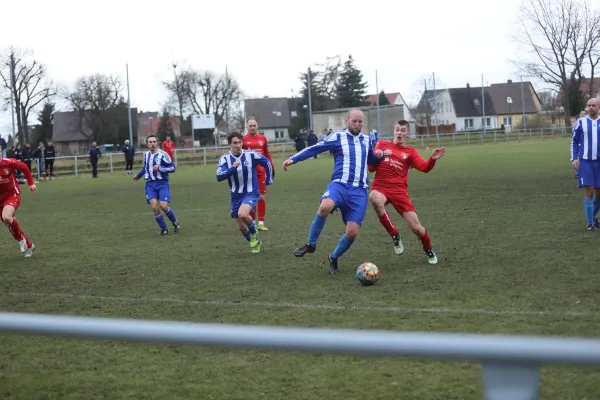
[268,305]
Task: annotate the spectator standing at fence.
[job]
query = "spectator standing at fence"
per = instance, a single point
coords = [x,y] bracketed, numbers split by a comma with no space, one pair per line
[169,147]
[3,146]
[49,156]
[38,155]
[129,152]
[95,154]
[27,156]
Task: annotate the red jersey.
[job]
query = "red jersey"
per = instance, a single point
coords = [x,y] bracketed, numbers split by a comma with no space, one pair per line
[392,171]
[258,143]
[8,184]
[168,147]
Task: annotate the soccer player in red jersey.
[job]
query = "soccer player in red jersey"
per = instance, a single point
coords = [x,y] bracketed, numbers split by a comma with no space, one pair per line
[169,147]
[10,199]
[257,142]
[390,186]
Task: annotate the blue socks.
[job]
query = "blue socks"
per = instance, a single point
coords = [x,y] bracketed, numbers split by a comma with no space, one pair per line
[315,230]
[247,235]
[588,206]
[171,215]
[252,228]
[342,246]
[160,221]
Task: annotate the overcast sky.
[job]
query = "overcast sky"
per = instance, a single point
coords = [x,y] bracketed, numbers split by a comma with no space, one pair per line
[264,44]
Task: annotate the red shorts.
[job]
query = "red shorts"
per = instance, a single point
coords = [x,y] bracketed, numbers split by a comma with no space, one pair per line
[13,200]
[399,200]
[262,187]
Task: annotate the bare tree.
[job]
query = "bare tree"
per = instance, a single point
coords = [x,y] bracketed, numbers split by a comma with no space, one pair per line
[424,108]
[31,86]
[562,37]
[203,92]
[327,75]
[178,101]
[98,100]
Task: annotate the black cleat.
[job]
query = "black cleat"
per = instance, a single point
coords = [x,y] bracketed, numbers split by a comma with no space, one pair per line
[301,251]
[164,232]
[592,227]
[176,227]
[596,223]
[333,267]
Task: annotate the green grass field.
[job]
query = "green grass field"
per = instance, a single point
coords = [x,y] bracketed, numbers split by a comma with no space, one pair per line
[506,221]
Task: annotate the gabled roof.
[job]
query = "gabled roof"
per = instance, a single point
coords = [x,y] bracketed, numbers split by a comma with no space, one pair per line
[468,102]
[500,91]
[428,97]
[262,110]
[372,98]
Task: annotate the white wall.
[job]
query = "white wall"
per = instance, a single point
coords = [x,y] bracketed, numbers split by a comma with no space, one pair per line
[282,134]
[477,123]
[444,110]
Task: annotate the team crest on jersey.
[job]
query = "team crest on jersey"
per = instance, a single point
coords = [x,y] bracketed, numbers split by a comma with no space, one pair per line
[260,143]
[404,156]
[6,171]
[247,163]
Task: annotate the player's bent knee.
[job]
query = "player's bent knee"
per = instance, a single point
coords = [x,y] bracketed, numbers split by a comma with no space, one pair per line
[327,205]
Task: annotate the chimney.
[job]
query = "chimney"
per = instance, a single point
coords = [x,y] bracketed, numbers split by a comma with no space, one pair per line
[510,81]
[468,86]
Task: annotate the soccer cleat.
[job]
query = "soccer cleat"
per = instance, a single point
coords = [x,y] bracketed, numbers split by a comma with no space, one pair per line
[29,251]
[398,246]
[23,245]
[301,251]
[596,223]
[592,227]
[333,265]
[164,232]
[432,257]
[256,249]
[254,240]
[262,227]
[176,227]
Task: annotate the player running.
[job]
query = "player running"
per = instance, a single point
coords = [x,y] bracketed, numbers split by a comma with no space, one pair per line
[240,168]
[257,142]
[10,199]
[390,186]
[155,170]
[348,189]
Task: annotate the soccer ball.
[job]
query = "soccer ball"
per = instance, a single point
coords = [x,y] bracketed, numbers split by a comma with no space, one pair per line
[367,274]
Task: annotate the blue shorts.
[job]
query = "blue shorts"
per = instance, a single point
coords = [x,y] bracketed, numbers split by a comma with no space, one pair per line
[351,201]
[237,199]
[589,173]
[158,190]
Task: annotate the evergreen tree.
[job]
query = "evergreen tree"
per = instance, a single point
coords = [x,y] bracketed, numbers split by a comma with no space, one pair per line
[164,127]
[383,100]
[351,89]
[43,131]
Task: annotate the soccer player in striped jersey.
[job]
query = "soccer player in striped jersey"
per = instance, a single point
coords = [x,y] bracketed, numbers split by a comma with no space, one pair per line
[155,170]
[585,149]
[257,142]
[390,186]
[582,114]
[239,168]
[10,199]
[348,189]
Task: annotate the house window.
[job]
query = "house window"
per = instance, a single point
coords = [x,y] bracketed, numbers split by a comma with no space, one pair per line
[508,121]
[469,123]
[487,122]
[294,114]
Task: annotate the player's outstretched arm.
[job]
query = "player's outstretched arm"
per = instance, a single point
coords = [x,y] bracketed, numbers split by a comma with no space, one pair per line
[329,143]
[25,169]
[425,166]
[142,171]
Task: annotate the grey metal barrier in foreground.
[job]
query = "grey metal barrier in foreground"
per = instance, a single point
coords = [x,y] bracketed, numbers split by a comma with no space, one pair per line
[510,363]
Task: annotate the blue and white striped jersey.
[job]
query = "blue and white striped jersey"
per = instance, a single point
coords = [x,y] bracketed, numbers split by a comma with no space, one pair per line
[165,166]
[243,179]
[585,143]
[351,155]
[374,135]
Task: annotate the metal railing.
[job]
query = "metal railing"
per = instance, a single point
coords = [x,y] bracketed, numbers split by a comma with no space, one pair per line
[510,363]
[110,162]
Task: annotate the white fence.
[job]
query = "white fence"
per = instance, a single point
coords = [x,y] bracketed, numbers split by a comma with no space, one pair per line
[111,162]
[510,363]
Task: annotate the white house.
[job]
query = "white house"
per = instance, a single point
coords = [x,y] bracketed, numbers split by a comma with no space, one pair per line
[394,99]
[473,108]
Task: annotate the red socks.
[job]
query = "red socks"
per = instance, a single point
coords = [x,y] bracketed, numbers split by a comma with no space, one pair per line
[262,210]
[387,224]
[426,241]
[17,233]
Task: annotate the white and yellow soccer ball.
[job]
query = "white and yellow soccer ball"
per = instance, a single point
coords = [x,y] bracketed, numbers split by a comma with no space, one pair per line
[367,274]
